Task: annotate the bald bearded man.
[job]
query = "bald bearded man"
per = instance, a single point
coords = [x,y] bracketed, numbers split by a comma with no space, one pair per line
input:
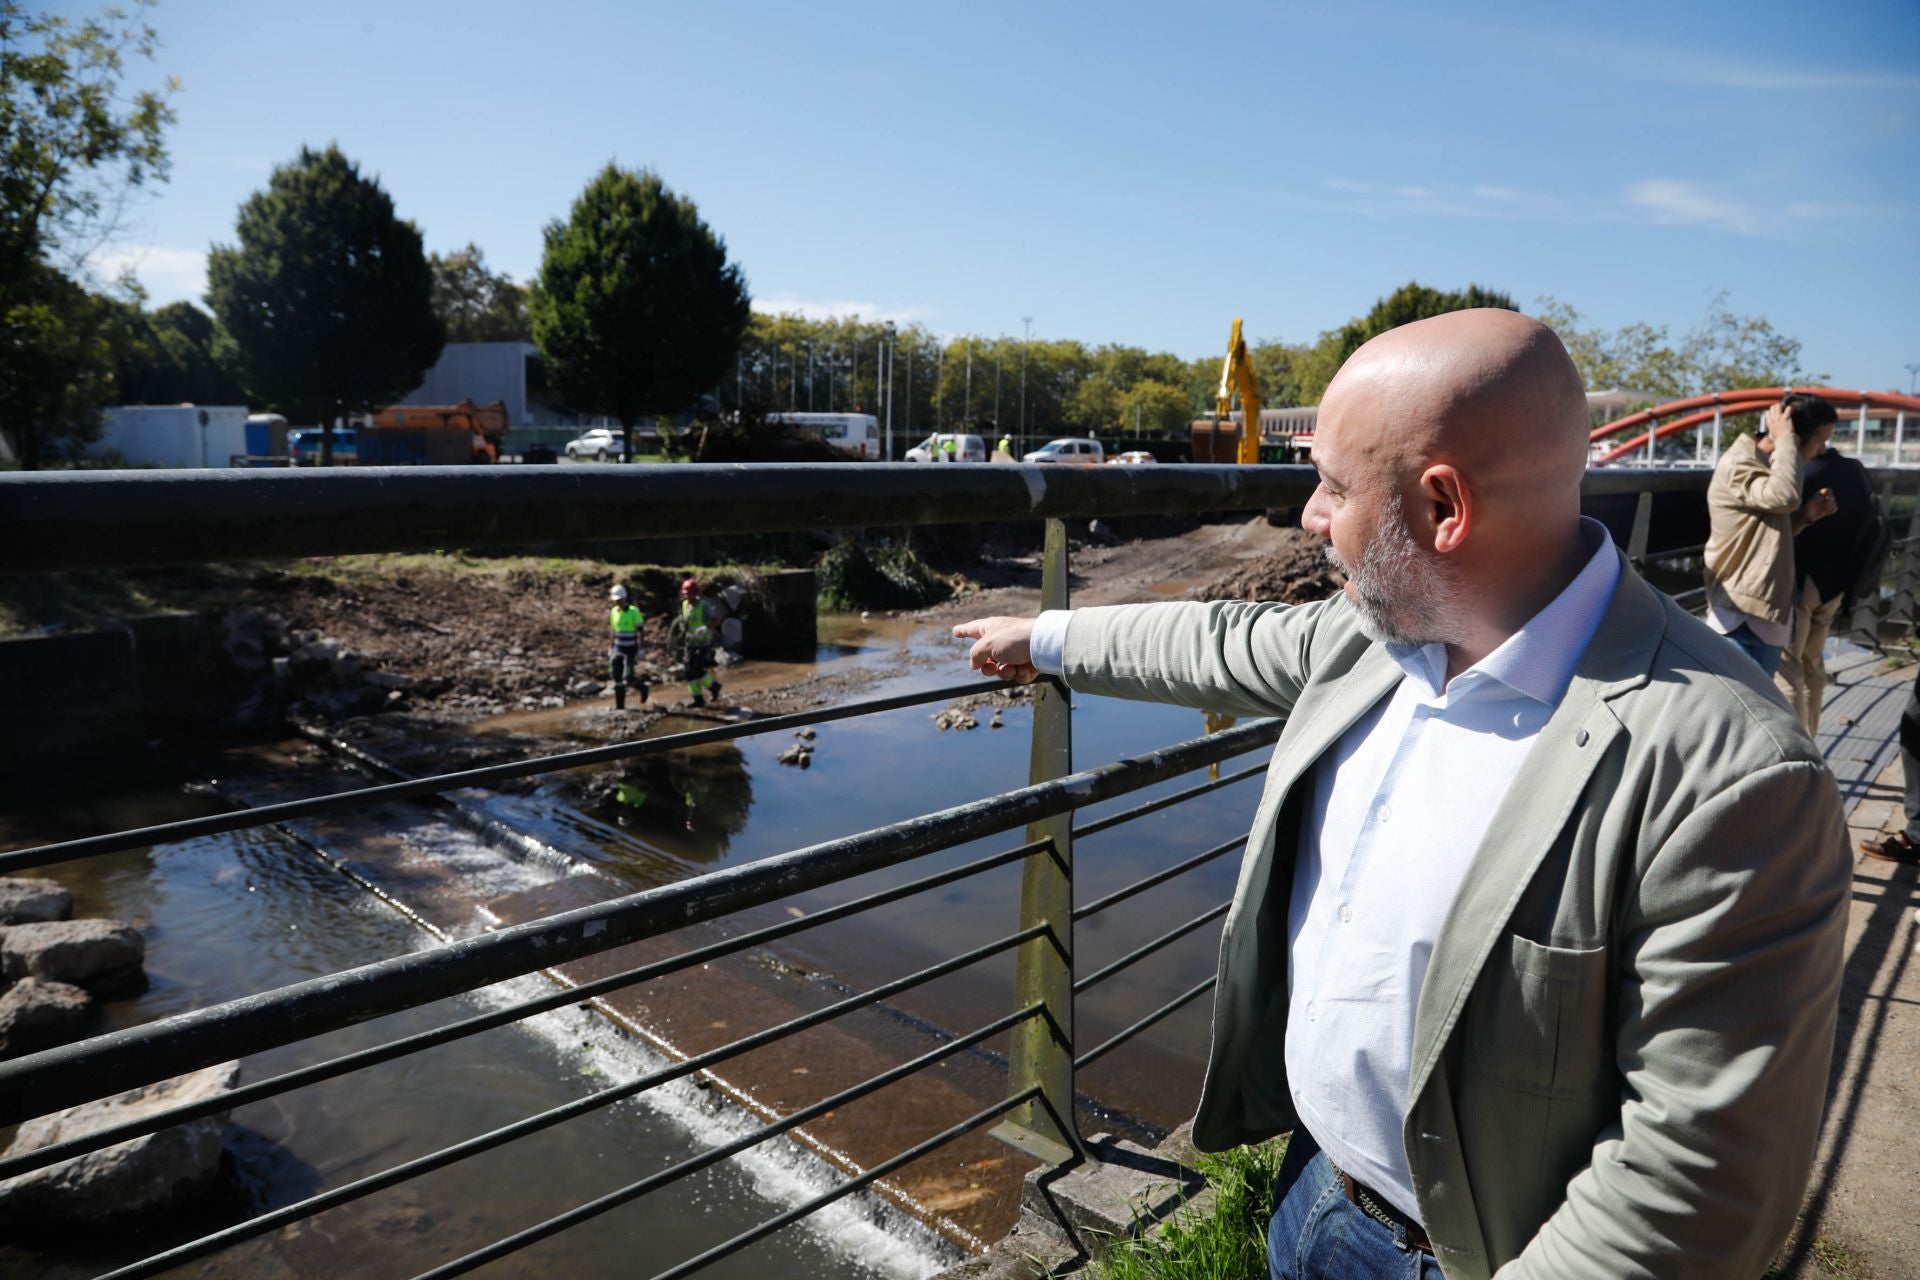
[1536,945]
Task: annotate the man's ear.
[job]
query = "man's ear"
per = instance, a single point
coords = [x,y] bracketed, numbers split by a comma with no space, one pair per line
[1449,504]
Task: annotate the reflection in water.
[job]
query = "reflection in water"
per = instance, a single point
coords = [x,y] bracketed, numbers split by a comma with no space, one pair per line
[1217,721]
[693,802]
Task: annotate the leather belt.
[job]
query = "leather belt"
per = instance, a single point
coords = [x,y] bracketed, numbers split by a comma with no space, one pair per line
[1370,1203]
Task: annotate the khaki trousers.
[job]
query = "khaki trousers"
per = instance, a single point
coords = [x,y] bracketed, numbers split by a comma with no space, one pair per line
[1803,667]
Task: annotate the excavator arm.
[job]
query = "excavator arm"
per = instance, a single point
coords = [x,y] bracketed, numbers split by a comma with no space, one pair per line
[1236,374]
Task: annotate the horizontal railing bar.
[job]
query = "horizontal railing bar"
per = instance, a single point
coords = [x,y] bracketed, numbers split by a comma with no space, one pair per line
[1158,877]
[1098,1051]
[1140,953]
[360,797]
[760,1232]
[41,1157]
[1166,802]
[122,519]
[614,1199]
[434,1160]
[124,1059]
[63,520]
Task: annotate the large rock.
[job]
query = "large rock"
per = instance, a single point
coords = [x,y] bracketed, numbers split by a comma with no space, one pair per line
[30,900]
[104,956]
[136,1178]
[36,1015]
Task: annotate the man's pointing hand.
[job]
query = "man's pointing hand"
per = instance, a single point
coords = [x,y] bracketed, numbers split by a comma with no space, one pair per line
[1001,647]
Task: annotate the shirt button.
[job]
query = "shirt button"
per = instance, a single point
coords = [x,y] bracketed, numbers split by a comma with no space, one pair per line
[1346,915]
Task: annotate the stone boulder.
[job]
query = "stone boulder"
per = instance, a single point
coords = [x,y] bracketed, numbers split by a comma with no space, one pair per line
[137,1178]
[36,1015]
[104,956]
[30,900]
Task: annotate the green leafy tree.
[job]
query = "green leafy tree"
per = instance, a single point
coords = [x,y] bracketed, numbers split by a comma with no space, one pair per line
[1154,408]
[1410,302]
[636,310]
[75,147]
[1725,352]
[478,305]
[326,298]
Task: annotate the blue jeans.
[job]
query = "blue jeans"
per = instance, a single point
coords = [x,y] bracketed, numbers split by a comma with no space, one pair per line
[1765,656]
[1319,1234]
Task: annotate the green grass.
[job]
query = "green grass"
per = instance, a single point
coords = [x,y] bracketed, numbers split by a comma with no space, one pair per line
[1227,1242]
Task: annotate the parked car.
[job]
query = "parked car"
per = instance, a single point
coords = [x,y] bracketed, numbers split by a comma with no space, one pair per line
[1069,451]
[933,449]
[598,444]
[303,447]
[1133,458]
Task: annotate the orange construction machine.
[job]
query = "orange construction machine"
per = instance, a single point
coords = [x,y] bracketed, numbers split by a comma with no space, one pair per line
[486,423]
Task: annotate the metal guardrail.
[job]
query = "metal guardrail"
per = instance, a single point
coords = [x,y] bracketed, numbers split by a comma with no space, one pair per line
[99,519]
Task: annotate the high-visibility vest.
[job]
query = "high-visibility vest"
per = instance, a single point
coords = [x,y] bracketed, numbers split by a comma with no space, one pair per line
[693,617]
[948,444]
[1006,444]
[625,621]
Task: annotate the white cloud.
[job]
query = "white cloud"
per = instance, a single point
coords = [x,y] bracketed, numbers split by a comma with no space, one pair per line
[777,304]
[168,275]
[1676,203]
[1441,200]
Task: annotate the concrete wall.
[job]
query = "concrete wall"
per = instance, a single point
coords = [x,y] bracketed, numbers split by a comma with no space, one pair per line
[88,700]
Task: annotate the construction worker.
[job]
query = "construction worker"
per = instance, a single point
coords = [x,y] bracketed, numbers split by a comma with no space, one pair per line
[1006,446]
[622,664]
[947,448]
[699,643]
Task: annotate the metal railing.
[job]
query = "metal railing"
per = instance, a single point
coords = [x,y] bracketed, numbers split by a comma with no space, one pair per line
[126,519]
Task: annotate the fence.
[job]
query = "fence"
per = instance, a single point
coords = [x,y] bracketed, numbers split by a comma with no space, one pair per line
[97,520]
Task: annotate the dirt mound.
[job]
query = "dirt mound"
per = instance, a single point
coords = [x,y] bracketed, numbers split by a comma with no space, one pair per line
[1296,573]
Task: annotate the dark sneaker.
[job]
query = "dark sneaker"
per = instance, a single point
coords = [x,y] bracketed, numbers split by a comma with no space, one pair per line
[714,689]
[1892,848]
[643,692]
[699,700]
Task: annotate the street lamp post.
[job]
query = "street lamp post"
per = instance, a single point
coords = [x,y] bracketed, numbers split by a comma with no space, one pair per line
[1913,376]
[887,382]
[967,409]
[1026,340]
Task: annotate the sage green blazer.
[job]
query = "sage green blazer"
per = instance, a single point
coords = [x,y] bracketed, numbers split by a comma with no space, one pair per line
[1622,1041]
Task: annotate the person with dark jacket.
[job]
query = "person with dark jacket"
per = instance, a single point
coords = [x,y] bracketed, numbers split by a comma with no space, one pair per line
[1827,559]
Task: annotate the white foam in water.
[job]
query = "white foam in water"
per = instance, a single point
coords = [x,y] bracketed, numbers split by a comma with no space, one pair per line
[493,873]
[869,1230]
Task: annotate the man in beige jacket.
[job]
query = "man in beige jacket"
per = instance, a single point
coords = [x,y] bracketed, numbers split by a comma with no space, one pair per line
[1536,945]
[1755,507]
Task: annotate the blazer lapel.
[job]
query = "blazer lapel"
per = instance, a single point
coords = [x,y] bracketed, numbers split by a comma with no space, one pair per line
[1535,809]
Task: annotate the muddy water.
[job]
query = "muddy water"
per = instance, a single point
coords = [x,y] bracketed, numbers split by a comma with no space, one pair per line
[234,914]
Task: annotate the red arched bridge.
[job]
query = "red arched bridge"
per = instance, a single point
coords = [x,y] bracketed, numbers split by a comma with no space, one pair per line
[1869,412]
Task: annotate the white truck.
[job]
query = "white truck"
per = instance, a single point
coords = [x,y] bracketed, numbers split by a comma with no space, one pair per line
[1069,451]
[173,435]
[856,433]
[966,448]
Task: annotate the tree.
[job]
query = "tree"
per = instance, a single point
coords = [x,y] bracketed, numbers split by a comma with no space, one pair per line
[1154,408]
[1411,301]
[1725,352]
[326,300]
[476,304]
[636,310]
[74,147]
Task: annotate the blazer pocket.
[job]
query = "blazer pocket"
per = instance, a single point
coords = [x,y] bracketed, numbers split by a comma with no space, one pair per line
[1537,1022]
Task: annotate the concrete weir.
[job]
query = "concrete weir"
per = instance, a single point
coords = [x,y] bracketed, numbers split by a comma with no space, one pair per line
[941,1208]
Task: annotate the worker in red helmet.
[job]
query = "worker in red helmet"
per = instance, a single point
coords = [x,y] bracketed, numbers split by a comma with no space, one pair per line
[698,634]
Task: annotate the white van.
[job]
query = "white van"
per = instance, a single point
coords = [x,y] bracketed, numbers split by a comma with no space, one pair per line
[934,449]
[855,432]
[1071,451]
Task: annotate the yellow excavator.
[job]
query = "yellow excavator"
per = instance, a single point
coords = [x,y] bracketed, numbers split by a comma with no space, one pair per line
[1236,375]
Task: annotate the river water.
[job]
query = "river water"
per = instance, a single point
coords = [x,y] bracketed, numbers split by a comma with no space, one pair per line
[229,915]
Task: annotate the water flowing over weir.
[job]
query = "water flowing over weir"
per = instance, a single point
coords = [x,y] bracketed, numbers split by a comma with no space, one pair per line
[256,905]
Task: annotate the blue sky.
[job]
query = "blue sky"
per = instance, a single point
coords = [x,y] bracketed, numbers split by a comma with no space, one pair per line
[1122,173]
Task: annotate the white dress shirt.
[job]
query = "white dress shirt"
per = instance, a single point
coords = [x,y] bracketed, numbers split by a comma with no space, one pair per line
[1398,807]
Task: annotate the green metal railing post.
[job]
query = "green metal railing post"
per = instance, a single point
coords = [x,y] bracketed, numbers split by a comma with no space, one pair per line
[1042,1050]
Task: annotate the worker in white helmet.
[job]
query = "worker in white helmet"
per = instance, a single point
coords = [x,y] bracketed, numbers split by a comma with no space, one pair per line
[624,618]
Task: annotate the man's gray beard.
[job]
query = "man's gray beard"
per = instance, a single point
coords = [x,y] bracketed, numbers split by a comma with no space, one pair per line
[1403,597]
